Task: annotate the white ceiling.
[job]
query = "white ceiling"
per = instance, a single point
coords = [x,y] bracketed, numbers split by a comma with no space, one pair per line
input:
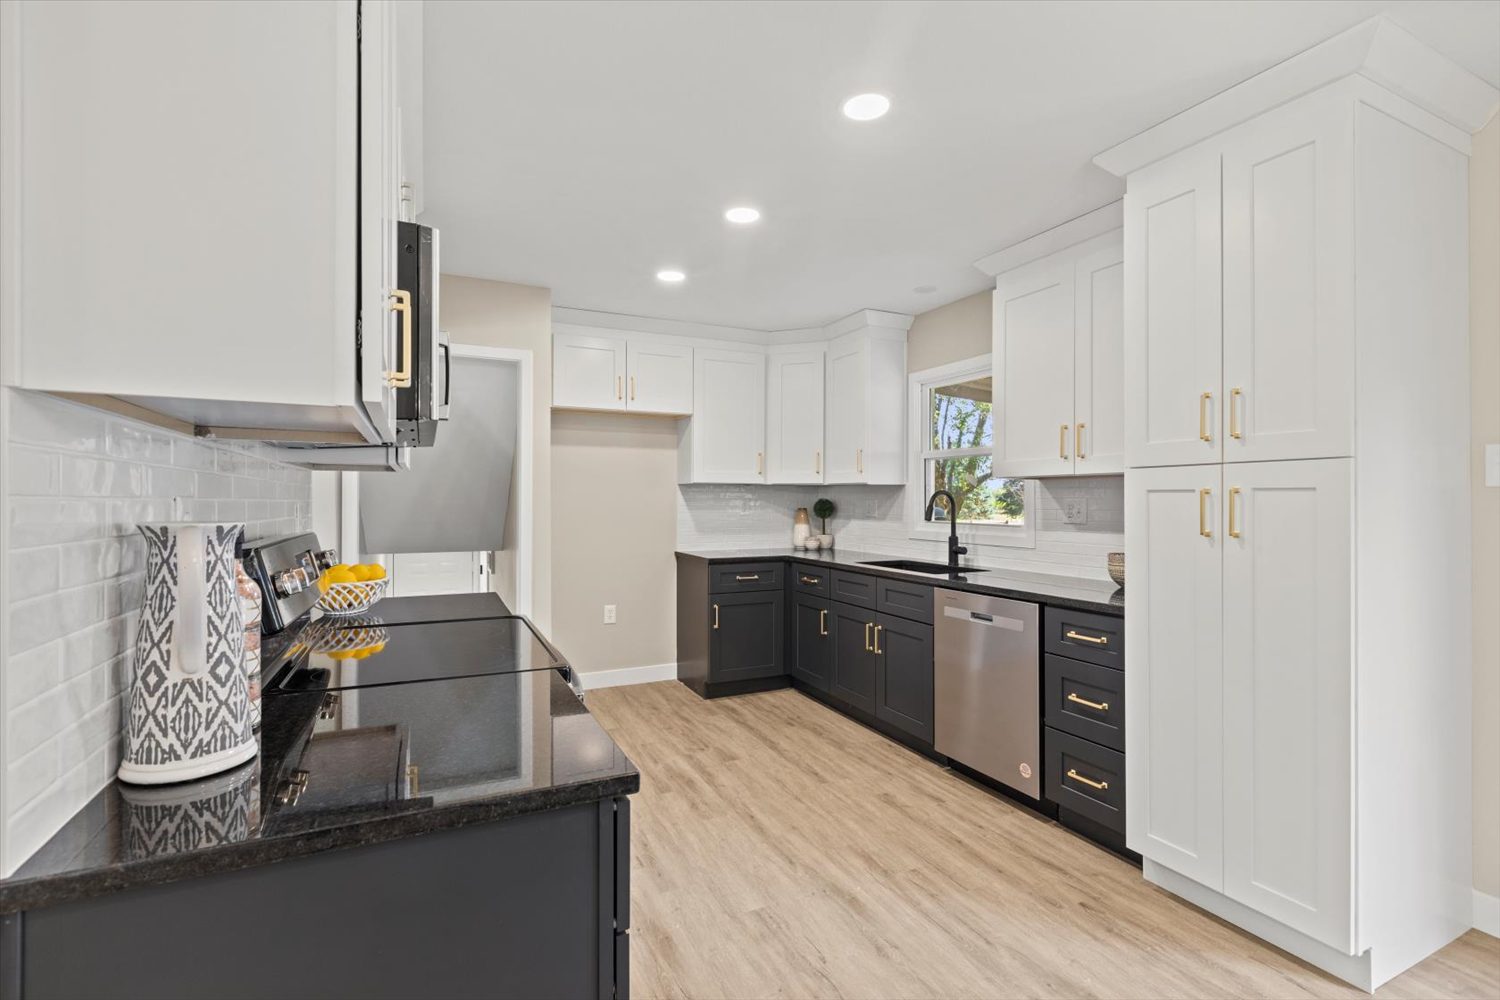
[584,146]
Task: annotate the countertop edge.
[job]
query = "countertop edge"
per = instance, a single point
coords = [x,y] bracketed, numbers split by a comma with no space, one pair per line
[972,586]
[50,890]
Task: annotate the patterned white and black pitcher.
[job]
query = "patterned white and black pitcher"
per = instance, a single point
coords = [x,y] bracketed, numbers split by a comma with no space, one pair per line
[187,708]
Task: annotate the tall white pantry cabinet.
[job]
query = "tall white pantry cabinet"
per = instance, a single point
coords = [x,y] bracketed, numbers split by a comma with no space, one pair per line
[1297,516]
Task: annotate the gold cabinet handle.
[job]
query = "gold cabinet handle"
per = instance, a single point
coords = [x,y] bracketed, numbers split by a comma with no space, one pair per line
[1062,442]
[760,463]
[1098,706]
[877,650]
[859,460]
[746,577]
[1203,528]
[401,377]
[632,388]
[817,463]
[1078,441]
[822,621]
[1234,422]
[811,581]
[1100,785]
[716,616]
[619,387]
[1234,530]
[1098,640]
[413,775]
[868,626]
[1204,434]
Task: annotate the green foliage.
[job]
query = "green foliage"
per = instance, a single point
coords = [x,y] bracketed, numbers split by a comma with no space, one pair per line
[823,510]
[959,422]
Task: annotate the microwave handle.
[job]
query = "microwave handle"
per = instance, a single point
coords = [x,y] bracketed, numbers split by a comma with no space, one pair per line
[447,397]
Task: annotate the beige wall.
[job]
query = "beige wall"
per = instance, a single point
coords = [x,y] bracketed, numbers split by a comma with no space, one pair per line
[500,314]
[954,332]
[1484,332]
[614,482]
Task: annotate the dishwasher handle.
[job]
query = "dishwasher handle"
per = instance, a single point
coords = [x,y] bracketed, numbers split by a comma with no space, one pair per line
[982,618]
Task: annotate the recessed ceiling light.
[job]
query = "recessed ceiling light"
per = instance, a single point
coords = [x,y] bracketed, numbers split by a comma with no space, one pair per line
[866,107]
[670,277]
[744,215]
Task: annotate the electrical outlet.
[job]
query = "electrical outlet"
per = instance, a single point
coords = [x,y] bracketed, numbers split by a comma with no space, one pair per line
[1075,511]
[609,614]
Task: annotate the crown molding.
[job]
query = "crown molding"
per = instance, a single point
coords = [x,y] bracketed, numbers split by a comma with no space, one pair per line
[875,320]
[1104,219]
[1376,49]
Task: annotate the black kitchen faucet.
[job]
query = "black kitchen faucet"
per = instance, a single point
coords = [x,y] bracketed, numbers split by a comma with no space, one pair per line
[954,549]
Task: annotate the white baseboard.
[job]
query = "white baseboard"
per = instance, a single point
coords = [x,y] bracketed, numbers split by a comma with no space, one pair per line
[591,679]
[1487,913]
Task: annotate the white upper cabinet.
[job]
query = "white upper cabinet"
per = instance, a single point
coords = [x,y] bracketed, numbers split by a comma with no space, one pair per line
[191,236]
[606,370]
[588,372]
[725,441]
[1058,355]
[794,415]
[659,378]
[1173,321]
[866,407]
[1288,385]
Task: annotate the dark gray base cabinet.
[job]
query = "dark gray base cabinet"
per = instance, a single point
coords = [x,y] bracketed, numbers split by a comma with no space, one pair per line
[731,627]
[903,675]
[855,664]
[745,641]
[810,653]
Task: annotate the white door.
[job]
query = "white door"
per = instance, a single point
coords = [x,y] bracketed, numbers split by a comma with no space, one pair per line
[729,418]
[1033,364]
[1173,689]
[794,417]
[848,380]
[1289,286]
[588,372]
[1099,360]
[1173,325]
[417,573]
[1288,688]
[382,326]
[660,378]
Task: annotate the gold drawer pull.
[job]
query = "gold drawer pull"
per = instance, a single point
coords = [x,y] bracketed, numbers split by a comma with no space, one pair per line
[400,302]
[822,621]
[877,639]
[632,387]
[1234,528]
[716,616]
[1062,441]
[818,463]
[1098,640]
[1102,786]
[868,626]
[1098,706]
[1204,434]
[812,581]
[619,387]
[1078,441]
[1203,528]
[746,577]
[413,779]
[1234,424]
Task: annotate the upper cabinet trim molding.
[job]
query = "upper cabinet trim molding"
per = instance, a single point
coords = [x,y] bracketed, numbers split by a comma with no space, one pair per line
[878,322]
[1105,219]
[1376,49]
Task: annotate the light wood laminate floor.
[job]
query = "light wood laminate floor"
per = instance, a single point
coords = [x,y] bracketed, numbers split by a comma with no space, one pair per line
[782,850]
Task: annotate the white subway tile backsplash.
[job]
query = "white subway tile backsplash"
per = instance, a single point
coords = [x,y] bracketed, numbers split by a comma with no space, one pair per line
[79,482]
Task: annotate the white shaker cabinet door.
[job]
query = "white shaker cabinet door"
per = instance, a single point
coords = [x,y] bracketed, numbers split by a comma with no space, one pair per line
[728,427]
[388,316]
[1173,326]
[1099,361]
[848,378]
[1289,286]
[1173,689]
[660,377]
[588,372]
[1033,368]
[1288,691]
[794,417]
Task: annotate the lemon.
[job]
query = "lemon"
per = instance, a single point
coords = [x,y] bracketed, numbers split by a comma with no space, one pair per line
[377,572]
[363,572]
[340,575]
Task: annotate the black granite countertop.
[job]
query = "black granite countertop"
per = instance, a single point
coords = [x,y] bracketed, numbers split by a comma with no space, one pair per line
[1080,594]
[340,768]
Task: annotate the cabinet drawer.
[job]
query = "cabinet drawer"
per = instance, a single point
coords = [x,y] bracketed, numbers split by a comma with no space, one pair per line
[1083,636]
[809,580]
[733,578]
[1084,699]
[909,600]
[1085,777]
[853,588]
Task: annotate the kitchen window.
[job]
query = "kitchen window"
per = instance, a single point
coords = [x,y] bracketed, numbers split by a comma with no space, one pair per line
[953,449]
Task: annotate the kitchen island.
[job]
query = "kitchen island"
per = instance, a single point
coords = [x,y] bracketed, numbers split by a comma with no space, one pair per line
[463,836]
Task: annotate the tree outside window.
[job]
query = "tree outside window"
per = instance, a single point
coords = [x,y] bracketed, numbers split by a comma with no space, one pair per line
[959,454]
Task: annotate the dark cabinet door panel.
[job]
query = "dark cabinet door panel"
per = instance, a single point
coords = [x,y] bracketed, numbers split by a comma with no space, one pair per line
[853,677]
[853,588]
[809,579]
[730,578]
[1085,777]
[746,636]
[909,600]
[904,675]
[1085,699]
[812,642]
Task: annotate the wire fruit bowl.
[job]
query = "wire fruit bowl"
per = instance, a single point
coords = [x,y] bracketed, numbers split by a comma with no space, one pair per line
[351,598]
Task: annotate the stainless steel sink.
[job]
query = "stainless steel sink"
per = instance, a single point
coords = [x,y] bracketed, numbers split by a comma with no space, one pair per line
[917,566]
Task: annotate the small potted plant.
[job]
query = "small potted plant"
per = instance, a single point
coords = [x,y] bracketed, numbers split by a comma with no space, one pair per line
[823,510]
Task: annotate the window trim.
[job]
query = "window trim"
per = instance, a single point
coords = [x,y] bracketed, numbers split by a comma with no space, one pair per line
[918,385]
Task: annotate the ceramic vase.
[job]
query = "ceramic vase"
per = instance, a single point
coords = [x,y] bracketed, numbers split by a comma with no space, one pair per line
[801,529]
[187,708]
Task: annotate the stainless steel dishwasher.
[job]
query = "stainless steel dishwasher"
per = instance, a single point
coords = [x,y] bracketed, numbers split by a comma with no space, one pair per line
[987,687]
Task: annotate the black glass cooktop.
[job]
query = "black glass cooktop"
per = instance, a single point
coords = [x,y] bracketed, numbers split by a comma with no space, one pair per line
[334,654]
